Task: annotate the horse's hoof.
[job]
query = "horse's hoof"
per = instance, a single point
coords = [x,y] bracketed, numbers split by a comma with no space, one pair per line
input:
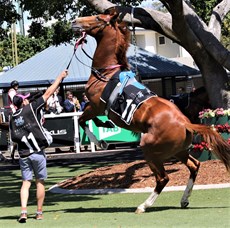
[103,144]
[184,204]
[139,211]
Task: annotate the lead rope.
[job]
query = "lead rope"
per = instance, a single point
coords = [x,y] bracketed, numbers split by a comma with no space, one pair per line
[134,41]
[78,42]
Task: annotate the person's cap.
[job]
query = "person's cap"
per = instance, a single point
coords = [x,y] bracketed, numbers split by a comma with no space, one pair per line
[14,83]
[19,98]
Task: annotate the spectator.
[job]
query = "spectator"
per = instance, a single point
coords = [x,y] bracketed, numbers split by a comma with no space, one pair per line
[71,104]
[85,101]
[11,93]
[182,99]
[27,131]
[181,90]
[54,103]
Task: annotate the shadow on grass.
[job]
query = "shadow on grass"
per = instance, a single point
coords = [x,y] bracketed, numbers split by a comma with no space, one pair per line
[112,210]
[10,184]
[128,209]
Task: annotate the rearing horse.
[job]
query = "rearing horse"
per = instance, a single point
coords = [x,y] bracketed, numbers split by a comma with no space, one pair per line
[166,132]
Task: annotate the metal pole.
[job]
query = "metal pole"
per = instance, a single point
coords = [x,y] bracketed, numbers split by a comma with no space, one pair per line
[12,42]
[15,45]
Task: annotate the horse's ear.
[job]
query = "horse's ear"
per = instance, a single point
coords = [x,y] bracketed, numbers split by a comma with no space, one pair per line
[113,13]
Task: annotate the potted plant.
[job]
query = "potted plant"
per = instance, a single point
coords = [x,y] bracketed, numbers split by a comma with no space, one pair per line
[219,119]
[217,116]
[201,151]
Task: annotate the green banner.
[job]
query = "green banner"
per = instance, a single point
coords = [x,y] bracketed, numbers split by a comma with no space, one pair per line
[110,135]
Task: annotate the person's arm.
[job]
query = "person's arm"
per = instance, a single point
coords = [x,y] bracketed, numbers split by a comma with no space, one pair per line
[11,94]
[55,85]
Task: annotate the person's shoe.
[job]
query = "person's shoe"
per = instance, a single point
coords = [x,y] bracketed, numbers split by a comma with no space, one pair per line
[39,215]
[23,217]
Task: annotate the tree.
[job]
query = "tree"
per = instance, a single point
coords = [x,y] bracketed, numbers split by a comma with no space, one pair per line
[27,47]
[204,11]
[8,15]
[185,27]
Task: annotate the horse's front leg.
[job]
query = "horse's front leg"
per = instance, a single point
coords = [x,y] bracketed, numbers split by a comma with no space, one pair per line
[106,124]
[99,123]
[89,114]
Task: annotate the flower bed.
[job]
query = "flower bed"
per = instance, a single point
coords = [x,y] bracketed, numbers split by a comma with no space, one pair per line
[219,119]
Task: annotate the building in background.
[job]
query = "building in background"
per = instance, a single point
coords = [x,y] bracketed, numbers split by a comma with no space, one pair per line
[158,44]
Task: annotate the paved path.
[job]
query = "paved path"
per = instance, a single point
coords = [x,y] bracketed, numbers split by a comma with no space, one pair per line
[56,189]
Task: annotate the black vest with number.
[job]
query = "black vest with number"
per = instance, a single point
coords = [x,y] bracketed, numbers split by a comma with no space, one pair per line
[26,128]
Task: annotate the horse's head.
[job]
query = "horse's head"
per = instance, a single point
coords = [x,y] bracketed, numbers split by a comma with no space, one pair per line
[110,31]
[97,23]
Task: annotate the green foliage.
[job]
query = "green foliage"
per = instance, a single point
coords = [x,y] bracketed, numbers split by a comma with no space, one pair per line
[8,15]
[60,9]
[62,32]
[8,12]
[225,39]
[204,8]
[26,47]
[46,9]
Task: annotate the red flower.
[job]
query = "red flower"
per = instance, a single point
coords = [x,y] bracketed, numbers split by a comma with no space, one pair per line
[222,128]
[201,146]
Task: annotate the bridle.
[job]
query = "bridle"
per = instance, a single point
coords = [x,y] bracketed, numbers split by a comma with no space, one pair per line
[80,42]
[101,26]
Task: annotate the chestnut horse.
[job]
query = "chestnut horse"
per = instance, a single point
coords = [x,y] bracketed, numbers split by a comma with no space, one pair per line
[166,132]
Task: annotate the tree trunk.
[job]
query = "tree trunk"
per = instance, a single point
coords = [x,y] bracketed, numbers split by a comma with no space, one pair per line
[184,27]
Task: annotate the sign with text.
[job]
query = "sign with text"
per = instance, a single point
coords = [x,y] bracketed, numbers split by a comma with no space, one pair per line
[110,135]
[62,130]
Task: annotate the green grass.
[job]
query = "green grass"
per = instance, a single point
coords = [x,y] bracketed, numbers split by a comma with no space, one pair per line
[208,208]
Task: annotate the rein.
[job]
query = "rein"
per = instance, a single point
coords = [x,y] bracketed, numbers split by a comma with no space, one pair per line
[97,72]
[79,41]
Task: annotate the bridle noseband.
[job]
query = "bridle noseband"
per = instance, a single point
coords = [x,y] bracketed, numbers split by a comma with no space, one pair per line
[101,26]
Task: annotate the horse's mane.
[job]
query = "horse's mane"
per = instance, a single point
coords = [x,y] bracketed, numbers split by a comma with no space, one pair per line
[123,38]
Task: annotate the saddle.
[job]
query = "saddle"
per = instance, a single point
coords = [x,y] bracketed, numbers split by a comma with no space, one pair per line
[126,96]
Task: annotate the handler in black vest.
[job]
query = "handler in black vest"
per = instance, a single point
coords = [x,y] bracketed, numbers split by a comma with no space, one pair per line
[27,131]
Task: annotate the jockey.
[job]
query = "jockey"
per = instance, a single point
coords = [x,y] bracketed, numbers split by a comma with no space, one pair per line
[11,93]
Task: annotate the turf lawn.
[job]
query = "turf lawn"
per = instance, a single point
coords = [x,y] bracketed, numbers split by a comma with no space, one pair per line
[208,208]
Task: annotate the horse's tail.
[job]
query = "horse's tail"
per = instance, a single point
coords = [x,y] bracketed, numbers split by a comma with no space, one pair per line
[217,144]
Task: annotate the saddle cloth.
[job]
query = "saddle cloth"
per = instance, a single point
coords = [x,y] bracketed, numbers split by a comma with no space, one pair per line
[124,94]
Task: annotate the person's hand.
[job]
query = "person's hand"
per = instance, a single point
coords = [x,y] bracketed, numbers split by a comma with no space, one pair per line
[75,100]
[64,74]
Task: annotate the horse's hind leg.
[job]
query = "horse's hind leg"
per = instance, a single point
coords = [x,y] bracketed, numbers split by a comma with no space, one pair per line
[161,180]
[193,166]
